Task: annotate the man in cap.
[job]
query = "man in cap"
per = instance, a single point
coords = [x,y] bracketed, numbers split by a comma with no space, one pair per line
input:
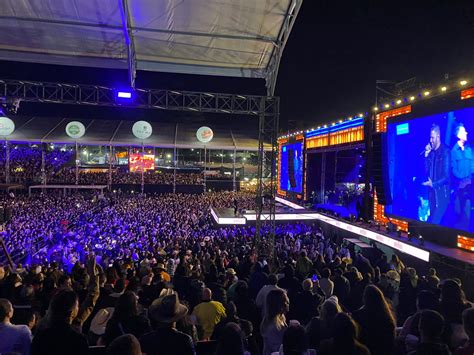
[165,339]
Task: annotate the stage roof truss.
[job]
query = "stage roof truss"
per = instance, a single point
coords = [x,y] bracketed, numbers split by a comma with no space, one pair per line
[238,38]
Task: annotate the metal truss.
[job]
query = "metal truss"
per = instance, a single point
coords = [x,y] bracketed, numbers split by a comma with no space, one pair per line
[143,98]
[266,108]
[267,182]
[271,71]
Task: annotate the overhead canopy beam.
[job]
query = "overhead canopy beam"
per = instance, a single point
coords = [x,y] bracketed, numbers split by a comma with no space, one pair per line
[274,63]
[129,42]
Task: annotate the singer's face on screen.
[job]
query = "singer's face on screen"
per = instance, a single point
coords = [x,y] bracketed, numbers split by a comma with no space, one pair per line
[434,139]
[462,134]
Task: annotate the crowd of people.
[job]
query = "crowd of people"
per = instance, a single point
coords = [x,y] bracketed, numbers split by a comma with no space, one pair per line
[59,168]
[152,274]
[123,176]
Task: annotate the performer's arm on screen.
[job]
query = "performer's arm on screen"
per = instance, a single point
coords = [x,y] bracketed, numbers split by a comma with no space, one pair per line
[445,176]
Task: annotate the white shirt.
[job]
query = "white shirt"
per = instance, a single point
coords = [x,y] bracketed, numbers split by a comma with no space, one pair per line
[14,338]
[327,286]
[261,299]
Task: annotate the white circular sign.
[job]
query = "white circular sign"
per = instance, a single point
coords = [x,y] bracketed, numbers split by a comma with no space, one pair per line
[142,129]
[75,129]
[7,126]
[204,134]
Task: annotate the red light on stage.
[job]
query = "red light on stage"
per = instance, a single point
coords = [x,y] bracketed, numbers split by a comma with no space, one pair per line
[465,243]
[467,94]
[381,118]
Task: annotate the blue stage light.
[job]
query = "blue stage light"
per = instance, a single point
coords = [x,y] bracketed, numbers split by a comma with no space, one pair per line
[124,94]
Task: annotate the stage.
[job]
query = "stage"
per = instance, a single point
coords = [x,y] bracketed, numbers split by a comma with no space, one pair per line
[361,230]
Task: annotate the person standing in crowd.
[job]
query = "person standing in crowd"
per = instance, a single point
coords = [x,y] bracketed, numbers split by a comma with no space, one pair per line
[261,299]
[59,333]
[164,312]
[468,324]
[274,322]
[208,314]
[377,322]
[13,338]
[431,327]
[345,338]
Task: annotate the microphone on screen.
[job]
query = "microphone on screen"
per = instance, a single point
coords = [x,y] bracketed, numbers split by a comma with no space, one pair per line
[427,149]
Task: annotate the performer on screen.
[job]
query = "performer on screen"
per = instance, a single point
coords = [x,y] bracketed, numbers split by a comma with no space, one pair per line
[437,170]
[462,164]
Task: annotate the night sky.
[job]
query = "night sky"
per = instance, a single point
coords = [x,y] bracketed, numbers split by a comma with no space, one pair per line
[336,52]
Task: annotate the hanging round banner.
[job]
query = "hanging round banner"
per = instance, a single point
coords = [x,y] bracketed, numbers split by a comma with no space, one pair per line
[7,126]
[75,129]
[204,134]
[142,129]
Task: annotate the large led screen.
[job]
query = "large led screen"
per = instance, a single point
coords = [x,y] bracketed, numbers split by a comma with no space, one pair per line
[137,161]
[431,163]
[291,167]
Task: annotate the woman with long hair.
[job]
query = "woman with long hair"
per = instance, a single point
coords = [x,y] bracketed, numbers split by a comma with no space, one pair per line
[452,305]
[345,340]
[274,323]
[377,322]
[126,319]
[321,328]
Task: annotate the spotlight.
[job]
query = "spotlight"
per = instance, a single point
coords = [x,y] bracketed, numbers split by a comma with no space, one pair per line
[386,105]
[124,95]
[444,88]
[463,82]
[426,93]
[376,108]
[399,102]
[412,98]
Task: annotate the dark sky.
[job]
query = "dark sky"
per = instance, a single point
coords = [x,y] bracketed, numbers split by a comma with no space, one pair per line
[335,53]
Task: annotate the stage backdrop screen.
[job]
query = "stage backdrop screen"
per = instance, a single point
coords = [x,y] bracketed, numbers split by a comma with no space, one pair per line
[291,168]
[139,160]
[431,163]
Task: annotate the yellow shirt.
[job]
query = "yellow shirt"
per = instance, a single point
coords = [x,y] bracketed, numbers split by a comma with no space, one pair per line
[208,314]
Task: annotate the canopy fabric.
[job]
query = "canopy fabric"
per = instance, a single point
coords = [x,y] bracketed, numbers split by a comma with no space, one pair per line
[213,37]
[119,133]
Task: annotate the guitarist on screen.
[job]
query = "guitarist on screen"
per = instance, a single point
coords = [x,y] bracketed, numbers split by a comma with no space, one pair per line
[437,170]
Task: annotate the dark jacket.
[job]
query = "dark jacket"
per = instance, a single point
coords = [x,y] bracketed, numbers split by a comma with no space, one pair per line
[59,339]
[167,341]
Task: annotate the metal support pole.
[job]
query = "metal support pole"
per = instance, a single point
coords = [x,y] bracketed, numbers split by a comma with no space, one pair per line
[143,168]
[234,183]
[323,178]
[204,171]
[174,170]
[110,166]
[7,162]
[77,164]
[43,165]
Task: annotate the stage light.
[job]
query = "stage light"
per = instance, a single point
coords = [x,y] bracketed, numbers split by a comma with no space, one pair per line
[463,82]
[399,102]
[124,95]
[376,108]
[444,88]
[386,105]
[426,93]
[360,115]
[340,121]
[412,98]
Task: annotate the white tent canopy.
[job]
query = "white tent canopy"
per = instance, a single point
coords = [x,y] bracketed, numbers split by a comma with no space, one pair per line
[240,38]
